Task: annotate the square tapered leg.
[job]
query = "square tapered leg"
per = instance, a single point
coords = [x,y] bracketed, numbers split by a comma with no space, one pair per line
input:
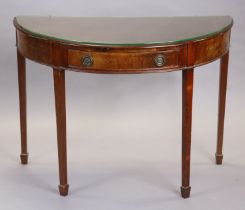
[59,90]
[187,92]
[221,112]
[22,101]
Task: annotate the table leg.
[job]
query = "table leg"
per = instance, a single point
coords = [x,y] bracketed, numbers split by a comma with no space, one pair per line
[59,89]
[187,92]
[221,112]
[22,101]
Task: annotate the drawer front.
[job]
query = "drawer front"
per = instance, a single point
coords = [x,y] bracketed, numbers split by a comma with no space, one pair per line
[124,61]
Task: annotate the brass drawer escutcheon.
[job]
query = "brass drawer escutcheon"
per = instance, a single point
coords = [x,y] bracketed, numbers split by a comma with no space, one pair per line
[87,61]
[159,60]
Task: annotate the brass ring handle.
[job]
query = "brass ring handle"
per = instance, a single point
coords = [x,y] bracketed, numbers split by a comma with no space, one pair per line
[159,60]
[87,61]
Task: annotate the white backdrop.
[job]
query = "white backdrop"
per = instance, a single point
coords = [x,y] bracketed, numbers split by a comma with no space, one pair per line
[124,131]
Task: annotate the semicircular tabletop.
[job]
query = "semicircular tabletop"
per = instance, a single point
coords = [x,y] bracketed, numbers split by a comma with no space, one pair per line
[115,31]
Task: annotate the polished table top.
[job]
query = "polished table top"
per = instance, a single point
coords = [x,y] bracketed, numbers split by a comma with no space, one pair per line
[124,30]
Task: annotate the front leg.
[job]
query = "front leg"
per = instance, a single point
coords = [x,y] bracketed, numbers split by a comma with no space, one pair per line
[22,101]
[59,90]
[221,114]
[187,92]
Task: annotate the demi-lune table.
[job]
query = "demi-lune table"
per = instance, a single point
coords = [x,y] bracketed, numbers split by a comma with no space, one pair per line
[123,45]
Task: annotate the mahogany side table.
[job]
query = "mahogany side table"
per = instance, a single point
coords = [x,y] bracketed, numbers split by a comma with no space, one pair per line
[120,45]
